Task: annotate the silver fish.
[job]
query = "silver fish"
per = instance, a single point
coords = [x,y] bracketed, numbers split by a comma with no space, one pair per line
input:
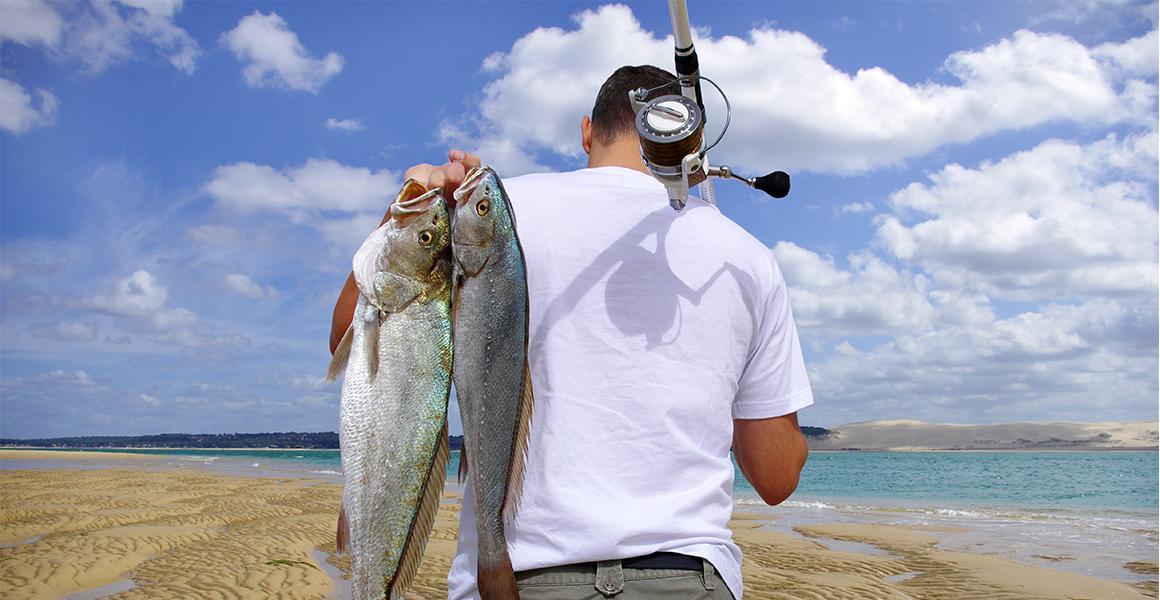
[393,419]
[491,374]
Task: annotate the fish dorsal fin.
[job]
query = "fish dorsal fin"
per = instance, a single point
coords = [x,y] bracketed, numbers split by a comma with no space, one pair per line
[424,519]
[515,486]
[341,355]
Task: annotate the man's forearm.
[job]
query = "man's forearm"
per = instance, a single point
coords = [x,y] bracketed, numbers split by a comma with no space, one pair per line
[770,454]
[346,303]
[343,312]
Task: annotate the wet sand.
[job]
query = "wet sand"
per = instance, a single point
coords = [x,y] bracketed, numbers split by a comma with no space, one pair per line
[129,532]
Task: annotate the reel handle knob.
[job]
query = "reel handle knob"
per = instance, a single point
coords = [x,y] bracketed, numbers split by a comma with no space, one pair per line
[775,184]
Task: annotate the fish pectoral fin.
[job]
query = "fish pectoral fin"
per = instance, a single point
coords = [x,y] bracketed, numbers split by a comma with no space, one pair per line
[424,518]
[394,292]
[456,285]
[462,474]
[341,355]
[371,348]
[511,501]
[342,536]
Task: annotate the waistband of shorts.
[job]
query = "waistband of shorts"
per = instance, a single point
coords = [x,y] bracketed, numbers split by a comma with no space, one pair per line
[656,560]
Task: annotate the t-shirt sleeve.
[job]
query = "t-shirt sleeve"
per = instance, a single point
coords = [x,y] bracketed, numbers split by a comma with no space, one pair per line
[774,382]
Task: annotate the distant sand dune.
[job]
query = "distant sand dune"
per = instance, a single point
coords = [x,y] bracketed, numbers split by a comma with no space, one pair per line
[918,435]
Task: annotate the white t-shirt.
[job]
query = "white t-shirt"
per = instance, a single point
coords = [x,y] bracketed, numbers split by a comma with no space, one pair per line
[650,331]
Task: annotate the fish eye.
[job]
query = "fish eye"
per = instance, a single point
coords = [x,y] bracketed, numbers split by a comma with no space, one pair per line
[425,238]
[482,207]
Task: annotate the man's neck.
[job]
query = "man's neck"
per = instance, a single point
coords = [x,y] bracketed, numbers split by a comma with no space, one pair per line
[623,152]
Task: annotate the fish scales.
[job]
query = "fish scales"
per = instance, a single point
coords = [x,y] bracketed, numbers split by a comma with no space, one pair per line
[393,415]
[490,368]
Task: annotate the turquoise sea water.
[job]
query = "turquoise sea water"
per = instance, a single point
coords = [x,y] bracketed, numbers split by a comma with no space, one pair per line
[1048,480]
[1064,480]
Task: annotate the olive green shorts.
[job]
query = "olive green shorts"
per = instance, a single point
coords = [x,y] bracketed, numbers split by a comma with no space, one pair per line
[608,579]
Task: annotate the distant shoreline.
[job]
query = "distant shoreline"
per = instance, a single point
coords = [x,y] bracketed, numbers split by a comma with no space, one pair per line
[131,450]
[965,450]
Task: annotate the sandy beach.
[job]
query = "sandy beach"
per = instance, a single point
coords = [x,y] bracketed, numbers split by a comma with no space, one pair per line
[134,532]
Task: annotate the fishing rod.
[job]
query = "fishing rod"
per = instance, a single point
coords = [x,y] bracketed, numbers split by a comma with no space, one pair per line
[672,127]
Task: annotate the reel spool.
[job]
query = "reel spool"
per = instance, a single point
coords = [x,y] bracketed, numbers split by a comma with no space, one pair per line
[671,130]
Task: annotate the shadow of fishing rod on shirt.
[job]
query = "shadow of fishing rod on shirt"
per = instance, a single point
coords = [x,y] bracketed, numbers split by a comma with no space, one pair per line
[643,294]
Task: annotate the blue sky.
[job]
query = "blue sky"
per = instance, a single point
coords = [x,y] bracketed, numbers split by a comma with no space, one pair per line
[971,236]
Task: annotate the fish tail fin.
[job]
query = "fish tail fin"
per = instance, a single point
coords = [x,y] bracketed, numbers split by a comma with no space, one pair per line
[511,501]
[424,518]
[371,345]
[498,582]
[341,355]
[342,536]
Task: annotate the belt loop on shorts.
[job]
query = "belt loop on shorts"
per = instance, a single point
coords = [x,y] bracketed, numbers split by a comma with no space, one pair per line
[609,577]
[707,575]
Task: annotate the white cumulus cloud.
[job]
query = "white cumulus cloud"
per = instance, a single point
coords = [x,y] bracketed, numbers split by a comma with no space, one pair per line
[247,287]
[855,208]
[320,184]
[342,202]
[1138,56]
[871,297]
[822,118]
[1062,219]
[29,22]
[101,34]
[1069,361]
[347,125]
[139,294]
[60,376]
[274,57]
[141,301]
[19,111]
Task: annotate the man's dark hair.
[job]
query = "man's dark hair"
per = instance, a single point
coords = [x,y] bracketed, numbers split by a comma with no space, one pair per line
[612,115]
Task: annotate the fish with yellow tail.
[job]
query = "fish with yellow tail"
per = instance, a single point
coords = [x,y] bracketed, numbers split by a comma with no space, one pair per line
[393,417]
[492,380]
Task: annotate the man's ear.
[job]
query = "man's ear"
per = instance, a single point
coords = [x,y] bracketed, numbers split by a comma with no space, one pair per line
[586,134]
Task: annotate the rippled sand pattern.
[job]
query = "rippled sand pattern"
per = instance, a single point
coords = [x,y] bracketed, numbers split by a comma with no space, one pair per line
[937,574]
[174,535]
[183,534]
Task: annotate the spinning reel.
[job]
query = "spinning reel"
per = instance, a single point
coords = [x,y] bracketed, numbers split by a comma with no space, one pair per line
[671,128]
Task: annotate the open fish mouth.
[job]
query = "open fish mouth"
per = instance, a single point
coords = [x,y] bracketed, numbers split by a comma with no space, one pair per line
[474,177]
[402,212]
